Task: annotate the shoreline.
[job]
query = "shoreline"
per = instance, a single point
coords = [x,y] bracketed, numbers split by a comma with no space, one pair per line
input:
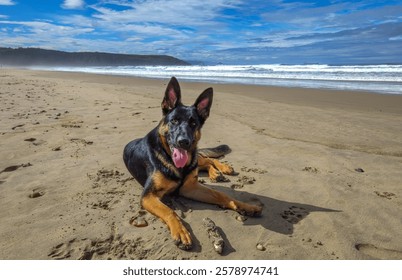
[325,164]
[316,97]
[340,79]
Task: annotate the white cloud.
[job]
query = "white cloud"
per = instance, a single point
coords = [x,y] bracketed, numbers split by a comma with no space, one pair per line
[7,2]
[396,38]
[45,30]
[72,4]
[175,12]
[152,25]
[76,20]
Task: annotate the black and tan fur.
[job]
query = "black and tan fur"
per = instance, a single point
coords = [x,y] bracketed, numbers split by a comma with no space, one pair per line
[149,160]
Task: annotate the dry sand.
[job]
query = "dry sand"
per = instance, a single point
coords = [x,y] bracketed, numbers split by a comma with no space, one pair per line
[327,165]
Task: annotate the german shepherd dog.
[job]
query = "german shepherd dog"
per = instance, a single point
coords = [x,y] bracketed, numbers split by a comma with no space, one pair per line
[166,160]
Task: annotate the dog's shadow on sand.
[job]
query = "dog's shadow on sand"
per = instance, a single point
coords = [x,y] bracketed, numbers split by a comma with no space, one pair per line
[278,215]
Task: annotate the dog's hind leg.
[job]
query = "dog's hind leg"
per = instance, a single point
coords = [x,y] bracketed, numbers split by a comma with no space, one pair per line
[194,190]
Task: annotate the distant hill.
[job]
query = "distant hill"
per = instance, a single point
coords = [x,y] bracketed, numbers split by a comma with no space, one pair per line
[42,57]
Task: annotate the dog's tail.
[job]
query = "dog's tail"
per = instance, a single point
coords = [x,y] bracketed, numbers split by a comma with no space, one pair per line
[216,152]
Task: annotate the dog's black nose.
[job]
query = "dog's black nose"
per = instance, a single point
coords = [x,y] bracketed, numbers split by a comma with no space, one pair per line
[184,143]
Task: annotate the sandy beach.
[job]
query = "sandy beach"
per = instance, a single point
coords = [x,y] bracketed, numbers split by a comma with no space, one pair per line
[327,165]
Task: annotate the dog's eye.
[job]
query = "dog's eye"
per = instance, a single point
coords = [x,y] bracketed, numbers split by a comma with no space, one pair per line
[193,124]
[174,121]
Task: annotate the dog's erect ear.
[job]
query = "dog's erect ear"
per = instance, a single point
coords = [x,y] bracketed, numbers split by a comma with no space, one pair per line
[172,96]
[204,102]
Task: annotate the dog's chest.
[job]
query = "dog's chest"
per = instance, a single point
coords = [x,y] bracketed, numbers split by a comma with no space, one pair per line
[165,185]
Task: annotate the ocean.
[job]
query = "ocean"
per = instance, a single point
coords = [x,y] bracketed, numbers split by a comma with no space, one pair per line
[386,79]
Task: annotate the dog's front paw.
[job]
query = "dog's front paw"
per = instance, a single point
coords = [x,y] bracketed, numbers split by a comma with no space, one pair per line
[214,175]
[219,178]
[181,237]
[227,169]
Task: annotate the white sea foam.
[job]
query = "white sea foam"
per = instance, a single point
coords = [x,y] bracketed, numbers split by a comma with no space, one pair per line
[375,78]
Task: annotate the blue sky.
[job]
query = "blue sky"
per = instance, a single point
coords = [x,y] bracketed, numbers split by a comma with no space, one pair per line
[212,31]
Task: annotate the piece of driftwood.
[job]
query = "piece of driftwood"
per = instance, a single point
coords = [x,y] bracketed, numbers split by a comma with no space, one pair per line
[214,235]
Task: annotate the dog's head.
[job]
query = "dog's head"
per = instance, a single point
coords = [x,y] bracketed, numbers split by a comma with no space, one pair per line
[183,123]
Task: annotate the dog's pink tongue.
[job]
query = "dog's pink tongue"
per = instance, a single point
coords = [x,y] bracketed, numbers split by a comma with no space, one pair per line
[179,157]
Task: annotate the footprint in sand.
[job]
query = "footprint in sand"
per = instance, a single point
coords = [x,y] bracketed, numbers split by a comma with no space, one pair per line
[80,144]
[254,170]
[10,168]
[36,193]
[17,126]
[243,180]
[310,169]
[107,189]
[64,251]
[387,195]
[377,252]
[72,124]
[15,167]
[35,141]
[113,247]
[60,252]
[294,214]
[81,141]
